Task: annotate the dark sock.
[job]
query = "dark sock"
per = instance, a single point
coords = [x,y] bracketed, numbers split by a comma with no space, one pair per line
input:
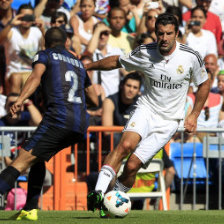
[35,183]
[7,179]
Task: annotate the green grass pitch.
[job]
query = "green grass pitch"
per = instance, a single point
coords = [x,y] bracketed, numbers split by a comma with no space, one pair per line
[146,217]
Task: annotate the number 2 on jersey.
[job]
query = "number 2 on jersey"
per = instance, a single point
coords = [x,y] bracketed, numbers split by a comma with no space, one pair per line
[71,76]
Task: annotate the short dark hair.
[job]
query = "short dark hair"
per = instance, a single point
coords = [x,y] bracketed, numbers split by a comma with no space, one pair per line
[56,15]
[176,11]
[132,75]
[140,38]
[115,9]
[165,19]
[24,6]
[81,2]
[199,8]
[86,57]
[55,36]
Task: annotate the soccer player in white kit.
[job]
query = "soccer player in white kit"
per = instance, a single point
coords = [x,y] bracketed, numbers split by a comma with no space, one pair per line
[168,67]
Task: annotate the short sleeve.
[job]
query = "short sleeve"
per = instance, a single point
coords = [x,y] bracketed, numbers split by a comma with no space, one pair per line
[199,72]
[40,58]
[132,61]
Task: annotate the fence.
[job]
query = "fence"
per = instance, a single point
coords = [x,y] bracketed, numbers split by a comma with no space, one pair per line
[65,183]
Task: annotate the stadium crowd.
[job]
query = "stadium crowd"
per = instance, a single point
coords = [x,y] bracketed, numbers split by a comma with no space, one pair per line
[100,28]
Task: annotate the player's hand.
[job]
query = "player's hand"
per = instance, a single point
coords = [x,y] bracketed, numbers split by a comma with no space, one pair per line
[190,123]
[15,108]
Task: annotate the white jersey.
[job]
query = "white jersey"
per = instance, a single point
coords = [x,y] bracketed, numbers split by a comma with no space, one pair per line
[166,77]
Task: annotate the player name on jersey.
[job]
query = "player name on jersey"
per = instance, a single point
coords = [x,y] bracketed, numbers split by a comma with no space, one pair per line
[57,56]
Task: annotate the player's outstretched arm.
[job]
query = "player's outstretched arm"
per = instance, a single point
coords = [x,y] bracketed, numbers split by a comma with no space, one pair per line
[30,86]
[190,123]
[108,63]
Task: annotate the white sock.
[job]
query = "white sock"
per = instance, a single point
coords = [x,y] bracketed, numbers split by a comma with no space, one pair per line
[106,174]
[120,187]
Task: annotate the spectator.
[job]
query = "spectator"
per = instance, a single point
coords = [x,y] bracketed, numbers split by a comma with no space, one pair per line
[211,115]
[212,22]
[212,67]
[217,7]
[177,12]
[99,48]
[6,15]
[46,8]
[22,41]
[197,38]
[220,84]
[117,107]
[2,102]
[118,38]
[144,38]
[131,14]
[147,24]
[95,113]
[83,24]
[58,19]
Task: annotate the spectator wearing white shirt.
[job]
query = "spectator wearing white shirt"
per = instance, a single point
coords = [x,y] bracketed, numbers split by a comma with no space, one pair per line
[99,48]
[197,38]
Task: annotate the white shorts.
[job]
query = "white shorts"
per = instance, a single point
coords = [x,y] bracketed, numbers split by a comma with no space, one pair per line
[154,130]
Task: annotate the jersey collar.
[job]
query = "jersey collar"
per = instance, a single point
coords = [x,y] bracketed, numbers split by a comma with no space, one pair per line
[167,58]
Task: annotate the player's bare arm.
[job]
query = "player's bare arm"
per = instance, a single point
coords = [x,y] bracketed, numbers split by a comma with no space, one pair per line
[30,86]
[201,96]
[105,64]
[92,98]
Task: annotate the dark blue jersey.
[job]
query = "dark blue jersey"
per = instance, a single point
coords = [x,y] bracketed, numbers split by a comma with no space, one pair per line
[121,111]
[63,84]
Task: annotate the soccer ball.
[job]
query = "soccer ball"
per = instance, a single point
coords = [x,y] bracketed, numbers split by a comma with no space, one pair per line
[116,204]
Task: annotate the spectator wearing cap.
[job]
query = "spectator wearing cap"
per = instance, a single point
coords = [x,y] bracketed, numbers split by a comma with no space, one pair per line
[73,43]
[212,23]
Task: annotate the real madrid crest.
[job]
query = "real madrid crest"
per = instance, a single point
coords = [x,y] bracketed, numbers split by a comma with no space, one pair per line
[203,73]
[180,69]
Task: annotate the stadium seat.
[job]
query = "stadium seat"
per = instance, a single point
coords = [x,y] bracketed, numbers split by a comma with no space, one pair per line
[188,163]
[156,165]
[211,143]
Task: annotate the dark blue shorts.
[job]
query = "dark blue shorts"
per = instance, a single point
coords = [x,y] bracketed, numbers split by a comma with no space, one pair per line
[47,140]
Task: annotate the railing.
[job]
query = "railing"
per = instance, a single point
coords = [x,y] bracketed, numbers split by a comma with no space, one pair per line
[58,161]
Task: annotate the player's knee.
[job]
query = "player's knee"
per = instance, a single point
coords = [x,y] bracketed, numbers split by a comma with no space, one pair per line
[131,168]
[126,146]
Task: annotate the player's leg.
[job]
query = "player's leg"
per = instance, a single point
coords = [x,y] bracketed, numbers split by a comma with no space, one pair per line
[9,175]
[126,180]
[35,183]
[169,168]
[112,163]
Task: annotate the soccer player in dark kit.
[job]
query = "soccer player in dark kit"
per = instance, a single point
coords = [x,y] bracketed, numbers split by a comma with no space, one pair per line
[65,85]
